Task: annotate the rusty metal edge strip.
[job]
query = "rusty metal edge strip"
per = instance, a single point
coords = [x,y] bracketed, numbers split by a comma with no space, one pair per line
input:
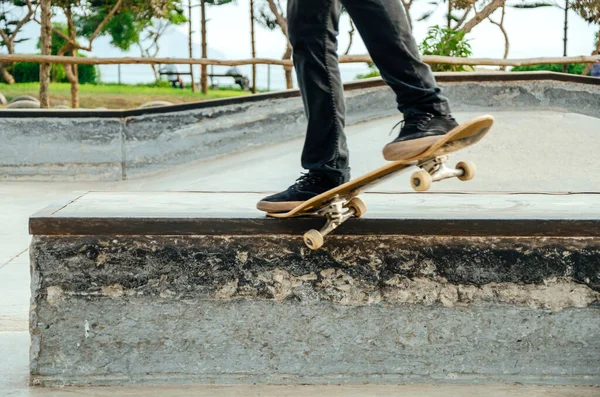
[83,226]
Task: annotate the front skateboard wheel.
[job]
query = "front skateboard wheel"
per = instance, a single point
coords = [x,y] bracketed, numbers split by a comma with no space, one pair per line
[313,239]
[359,207]
[468,169]
[421,181]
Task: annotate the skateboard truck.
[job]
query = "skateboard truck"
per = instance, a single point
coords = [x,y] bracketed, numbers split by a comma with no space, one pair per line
[337,211]
[435,169]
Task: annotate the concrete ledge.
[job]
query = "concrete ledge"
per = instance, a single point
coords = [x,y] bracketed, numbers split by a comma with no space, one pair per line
[239,306]
[114,145]
[213,213]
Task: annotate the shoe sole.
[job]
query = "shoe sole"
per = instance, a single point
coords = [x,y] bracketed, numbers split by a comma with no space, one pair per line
[407,149]
[274,207]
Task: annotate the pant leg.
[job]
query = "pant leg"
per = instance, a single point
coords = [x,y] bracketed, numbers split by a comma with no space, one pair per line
[386,33]
[313,29]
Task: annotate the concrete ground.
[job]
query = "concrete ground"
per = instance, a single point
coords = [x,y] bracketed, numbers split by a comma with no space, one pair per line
[526,151]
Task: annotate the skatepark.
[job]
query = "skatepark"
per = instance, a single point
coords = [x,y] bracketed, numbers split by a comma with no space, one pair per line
[518,247]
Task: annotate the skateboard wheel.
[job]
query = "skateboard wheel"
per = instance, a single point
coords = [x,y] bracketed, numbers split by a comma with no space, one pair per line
[468,169]
[313,239]
[359,207]
[421,181]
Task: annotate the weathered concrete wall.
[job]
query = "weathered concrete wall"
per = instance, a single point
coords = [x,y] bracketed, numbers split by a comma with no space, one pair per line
[42,149]
[154,142]
[114,148]
[385,309]
[525,95]
[115,145]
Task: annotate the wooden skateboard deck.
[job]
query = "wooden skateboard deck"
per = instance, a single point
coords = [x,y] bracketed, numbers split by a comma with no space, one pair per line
[341,203]
[462,136]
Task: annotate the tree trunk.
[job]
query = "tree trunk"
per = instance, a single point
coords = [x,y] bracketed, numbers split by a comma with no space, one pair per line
[155,71]
[204,68]
[282,22]
[503,30]
[71,70]
[46,39]
[350,37]
[253,43]
[564,68]
[190,44]
[73,79]
[6,76]
[288,70]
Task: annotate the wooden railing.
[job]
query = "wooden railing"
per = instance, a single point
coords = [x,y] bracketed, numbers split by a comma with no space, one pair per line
[430,59]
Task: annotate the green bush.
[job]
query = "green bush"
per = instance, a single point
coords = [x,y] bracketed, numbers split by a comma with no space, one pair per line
[576,68]
[25,72]
[29,72]
[88,74]
[446,42]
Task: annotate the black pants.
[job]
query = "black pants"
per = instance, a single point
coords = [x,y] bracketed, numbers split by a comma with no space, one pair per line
[313,28]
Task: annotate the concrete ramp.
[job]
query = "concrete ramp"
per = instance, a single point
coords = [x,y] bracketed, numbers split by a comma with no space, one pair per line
[173,287]
[119,145]
[526,151]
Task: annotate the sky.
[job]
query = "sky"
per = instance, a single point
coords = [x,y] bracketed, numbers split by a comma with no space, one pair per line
[532,33]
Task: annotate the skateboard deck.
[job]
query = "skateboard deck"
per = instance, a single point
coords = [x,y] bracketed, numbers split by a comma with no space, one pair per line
[342,203]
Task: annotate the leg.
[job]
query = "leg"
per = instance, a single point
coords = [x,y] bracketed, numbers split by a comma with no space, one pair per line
[384,29]
[313,30]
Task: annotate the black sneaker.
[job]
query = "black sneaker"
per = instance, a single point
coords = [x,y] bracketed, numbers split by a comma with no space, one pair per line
[306,187]
[418,132]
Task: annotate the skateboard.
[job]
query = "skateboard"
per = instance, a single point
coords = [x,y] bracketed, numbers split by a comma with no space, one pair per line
[342,203]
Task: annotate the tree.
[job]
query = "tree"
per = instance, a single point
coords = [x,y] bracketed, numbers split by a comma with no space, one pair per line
[137,24]
[446,42]
[504,33]
[152,30]
[151,37]
[46,47]
[252,45]
[14,14]
[466,14]
[92,18]
[70,9]
[272,16]
[190,46]
[478,10]
[203,20]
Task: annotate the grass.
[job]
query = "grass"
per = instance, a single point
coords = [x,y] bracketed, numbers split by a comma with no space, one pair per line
[115,96]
